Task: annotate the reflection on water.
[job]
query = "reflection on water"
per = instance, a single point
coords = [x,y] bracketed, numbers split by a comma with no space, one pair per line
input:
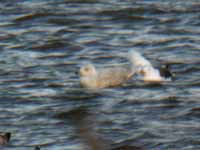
[43,44]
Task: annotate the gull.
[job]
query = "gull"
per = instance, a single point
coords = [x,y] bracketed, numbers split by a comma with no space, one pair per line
[92,77]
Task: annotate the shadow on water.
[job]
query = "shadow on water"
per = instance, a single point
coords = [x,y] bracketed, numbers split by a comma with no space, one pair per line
[84,121]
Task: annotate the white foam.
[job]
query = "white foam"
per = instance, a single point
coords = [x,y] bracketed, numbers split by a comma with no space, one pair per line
[138,60]
[151,74]
[145,68]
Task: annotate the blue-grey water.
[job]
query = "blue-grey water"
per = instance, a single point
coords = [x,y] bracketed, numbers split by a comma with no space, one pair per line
[44,42]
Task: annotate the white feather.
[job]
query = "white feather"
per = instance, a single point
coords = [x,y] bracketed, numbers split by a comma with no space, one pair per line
[137,59]
[143,65]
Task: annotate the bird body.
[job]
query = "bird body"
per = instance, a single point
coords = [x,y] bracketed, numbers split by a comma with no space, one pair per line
[92,77]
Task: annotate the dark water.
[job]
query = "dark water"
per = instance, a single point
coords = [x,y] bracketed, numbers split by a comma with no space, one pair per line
[42,44]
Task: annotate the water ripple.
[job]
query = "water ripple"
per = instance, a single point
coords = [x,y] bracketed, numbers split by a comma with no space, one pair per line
[43,44]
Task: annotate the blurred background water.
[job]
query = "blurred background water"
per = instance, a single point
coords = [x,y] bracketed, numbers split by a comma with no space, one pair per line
[44,42]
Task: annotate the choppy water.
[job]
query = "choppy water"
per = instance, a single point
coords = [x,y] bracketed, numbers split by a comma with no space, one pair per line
[43,43]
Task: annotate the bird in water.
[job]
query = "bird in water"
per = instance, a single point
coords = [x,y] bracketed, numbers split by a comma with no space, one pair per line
[92,77]
[5,138]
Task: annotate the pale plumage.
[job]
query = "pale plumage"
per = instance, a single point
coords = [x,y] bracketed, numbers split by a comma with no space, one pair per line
[92,77]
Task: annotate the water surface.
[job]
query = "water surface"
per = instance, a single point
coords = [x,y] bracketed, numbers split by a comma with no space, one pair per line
[43,44]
